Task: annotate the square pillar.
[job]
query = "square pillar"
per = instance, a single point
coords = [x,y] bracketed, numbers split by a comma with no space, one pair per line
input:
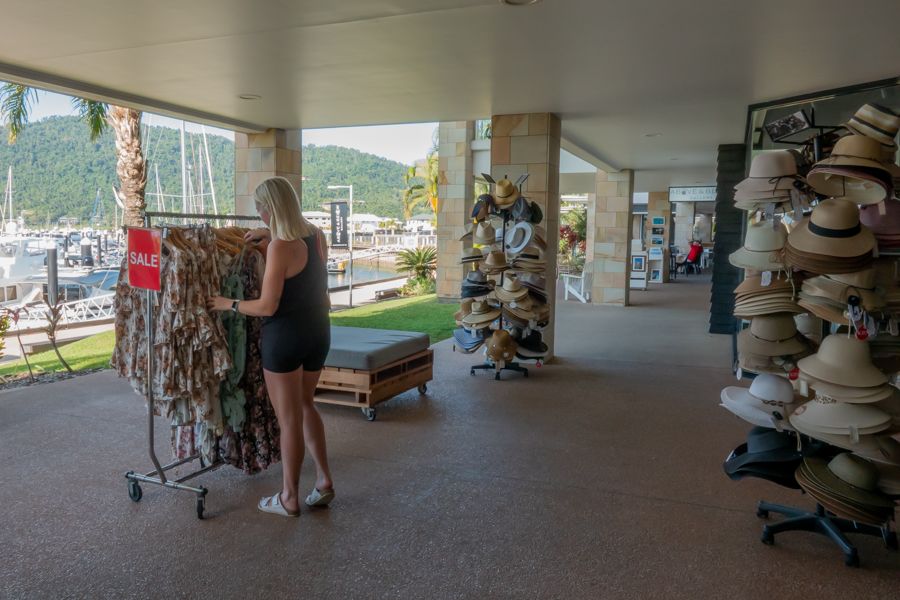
[455,200]
[258,156]
[658,206]
[609,237]
[529,143]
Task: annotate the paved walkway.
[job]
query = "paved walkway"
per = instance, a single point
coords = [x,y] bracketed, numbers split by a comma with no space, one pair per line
[598,477]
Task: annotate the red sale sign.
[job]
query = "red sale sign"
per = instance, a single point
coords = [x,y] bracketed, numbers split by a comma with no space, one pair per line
[144,249]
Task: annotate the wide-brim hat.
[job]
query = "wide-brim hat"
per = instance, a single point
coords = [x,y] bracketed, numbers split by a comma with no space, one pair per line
[505,193]
[501,346]
[840,505]
[772,335]
[495,261]
[752,285]
[518,237]
[465,307]
[770,171]
[855,151]
[476,278]
[833,229]
[780,473]
[887,224]
[511,290]
[468,341]
[467,236]
[764,445]
[848,477]
[533,281]
[484,234]
[482,313]
[862,185]
[876,122]
[762,248]
[840,292]
[879,447]
[843,360]
[771,417]
[532,346]
[853,395]
[470,255]
[841,418]
[522,314]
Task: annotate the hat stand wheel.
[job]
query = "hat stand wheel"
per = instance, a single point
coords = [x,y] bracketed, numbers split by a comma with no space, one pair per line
[369,413]
[134,491]
[201,502]
[422,389]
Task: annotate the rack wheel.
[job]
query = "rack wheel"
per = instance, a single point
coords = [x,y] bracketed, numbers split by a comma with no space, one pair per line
[134,491]
[369,413]
[767,538]
[472,372]
[423,388]
[201,506]
[852,559]
[762,513]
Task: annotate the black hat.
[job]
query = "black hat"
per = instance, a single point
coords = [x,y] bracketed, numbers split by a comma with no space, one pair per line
[764,445]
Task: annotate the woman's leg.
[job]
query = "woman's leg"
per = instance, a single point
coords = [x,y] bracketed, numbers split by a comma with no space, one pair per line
[285,393]
[314,430]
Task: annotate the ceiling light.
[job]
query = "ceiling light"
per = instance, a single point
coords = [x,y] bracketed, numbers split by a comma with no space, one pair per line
[673,158]
[249,96]
[519,2]
[652,135]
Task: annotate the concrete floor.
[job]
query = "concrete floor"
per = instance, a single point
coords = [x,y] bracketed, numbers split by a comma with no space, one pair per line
[598,477]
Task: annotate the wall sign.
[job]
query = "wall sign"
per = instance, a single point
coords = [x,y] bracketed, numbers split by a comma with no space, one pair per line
[144,246]
[692,194]
[340,232]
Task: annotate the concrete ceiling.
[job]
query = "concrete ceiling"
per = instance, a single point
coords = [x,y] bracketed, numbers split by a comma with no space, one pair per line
[613,71]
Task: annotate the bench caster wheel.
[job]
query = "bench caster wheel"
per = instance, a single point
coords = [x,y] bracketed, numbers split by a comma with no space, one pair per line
[134,491]
[369,413]
[423,389]
[762,513]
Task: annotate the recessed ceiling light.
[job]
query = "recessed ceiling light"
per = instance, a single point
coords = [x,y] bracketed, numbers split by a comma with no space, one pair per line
[519,2]
[249,96]
[673,158]
[652,135]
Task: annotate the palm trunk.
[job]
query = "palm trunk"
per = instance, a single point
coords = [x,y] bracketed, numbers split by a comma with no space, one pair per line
[130,165]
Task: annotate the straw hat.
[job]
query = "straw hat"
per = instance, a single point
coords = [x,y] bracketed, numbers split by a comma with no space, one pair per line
[768,402]
[484,233]
[518,237]
[885,225]
[762,248]
[501,347]
[843,360]
[877,122]
[505,194]
[879,447]
[770,172]
[849,477]
[470,255]
[854,170]
[752,285]
[772,335]
[495,262]
[853,395]
[482,314]
[511,290]
[465,307]
[833,229]
[841,418]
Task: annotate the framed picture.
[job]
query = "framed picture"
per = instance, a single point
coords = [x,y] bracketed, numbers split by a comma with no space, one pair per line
[656,276]
[639,263]
[659,231]
[658,221]
[656,240]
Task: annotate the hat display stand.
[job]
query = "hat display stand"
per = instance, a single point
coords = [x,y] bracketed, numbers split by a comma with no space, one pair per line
[822,519]
[515,323]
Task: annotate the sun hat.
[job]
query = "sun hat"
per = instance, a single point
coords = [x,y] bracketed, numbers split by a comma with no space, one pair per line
[465,307]
[772,335]
[828,286]
[888,479]
[511,290]
[843,360]
[780,473]
[467,236]
[880,447]
[770,172]
[762,248]
[836,503]
[770,416]
[505,194]
[854,151]
[849,477]
[885,225]
[519,313]
[495,262]
[468,341]
[854,395]
[484,234]
[482,314]
[532,346]
[843,418]
[501,346]
[476,278]
[860,185]
[471,255]
[765,445]
[518,237]
[877,122]
[752,285]
[833,230]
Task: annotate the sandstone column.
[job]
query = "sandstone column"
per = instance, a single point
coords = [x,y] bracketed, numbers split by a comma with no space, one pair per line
[258,156]
[609,237]
[455,190]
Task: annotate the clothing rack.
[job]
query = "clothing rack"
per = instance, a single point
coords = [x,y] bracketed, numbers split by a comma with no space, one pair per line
[507,366]
[158,475]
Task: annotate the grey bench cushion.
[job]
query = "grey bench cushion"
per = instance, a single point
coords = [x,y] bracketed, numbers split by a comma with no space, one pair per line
[370,349]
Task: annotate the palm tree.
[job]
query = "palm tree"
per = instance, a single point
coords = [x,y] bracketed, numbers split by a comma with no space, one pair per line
[15,104]
[416,193]
[420,262]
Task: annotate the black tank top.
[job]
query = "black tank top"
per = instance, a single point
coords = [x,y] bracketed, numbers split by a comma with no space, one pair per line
[307,291]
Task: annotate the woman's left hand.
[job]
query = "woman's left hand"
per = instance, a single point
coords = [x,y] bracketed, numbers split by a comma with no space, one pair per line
[218,303]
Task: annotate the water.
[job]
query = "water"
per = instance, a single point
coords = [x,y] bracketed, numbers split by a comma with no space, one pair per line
[364,272]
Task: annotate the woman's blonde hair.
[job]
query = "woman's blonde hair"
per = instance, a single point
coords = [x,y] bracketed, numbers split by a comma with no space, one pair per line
[277,197]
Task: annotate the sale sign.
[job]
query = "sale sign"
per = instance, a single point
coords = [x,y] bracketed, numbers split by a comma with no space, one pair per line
[144,249]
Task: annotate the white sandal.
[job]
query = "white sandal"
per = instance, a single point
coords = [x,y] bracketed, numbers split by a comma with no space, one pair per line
[319,499]
[273,505]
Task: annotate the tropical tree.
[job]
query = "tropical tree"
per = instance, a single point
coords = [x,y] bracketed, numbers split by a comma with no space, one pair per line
[421,186]
[420,262]
[15,104]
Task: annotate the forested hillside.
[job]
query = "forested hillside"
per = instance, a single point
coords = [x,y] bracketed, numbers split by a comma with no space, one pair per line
[57,171]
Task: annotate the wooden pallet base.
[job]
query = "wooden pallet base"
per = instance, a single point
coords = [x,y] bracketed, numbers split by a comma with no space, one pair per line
[366,389]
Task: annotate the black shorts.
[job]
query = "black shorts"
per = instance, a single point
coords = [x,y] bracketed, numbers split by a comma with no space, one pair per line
[293,341]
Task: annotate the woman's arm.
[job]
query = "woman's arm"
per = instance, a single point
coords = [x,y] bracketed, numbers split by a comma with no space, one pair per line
[277,261]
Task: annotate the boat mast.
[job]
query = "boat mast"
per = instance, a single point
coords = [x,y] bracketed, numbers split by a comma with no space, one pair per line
[212,186]
[184,184]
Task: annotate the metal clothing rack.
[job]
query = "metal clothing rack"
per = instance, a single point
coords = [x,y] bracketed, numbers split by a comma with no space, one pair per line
[507,366]
[158,475]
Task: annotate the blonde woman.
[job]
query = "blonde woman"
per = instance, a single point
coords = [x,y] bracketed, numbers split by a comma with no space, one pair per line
[296,336]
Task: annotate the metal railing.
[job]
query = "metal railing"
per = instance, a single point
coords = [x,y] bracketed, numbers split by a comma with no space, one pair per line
[94,308]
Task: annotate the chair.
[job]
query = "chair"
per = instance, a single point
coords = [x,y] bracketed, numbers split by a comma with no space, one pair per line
[692,260]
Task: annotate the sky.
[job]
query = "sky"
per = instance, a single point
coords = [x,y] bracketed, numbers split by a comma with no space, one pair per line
[402,143]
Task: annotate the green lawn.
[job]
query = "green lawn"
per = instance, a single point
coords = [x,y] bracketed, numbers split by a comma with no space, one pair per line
[422,313]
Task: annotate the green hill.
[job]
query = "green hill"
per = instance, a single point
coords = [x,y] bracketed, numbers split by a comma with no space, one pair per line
[57,171]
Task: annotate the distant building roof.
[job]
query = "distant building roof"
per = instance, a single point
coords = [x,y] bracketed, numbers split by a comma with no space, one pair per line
[367,217]
[423,217]
[316,214]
